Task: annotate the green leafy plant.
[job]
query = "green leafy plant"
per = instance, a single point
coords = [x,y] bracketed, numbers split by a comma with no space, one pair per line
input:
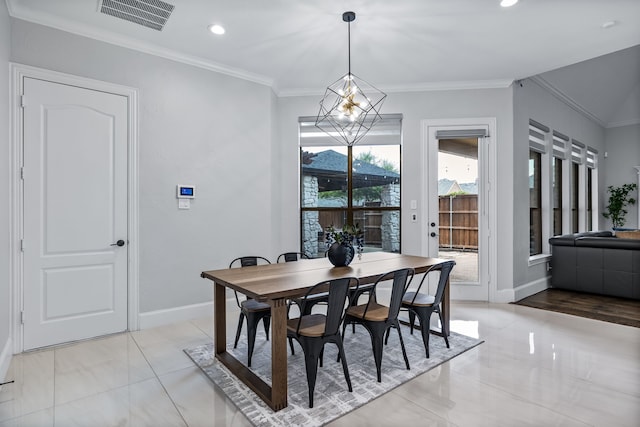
[348,235]
[618,200]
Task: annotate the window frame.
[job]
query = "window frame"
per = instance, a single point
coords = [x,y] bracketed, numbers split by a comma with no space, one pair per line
[539,141]
[392,125]
[579,167]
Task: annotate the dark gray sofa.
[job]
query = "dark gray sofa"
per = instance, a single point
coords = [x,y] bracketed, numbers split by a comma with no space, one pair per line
[596,262]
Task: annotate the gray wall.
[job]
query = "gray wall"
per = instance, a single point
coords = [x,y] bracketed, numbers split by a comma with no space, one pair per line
[415,107]
[533,102]
[192,130]
[5,32]
[623,148]
[243,158]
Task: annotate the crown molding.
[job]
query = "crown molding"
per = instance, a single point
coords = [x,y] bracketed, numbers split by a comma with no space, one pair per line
[567,100]
[47,20]
[417,87]
[623,123]
[452,85]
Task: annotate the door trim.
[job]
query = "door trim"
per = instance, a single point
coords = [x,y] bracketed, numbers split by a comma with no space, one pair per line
[16,213]
[490,175]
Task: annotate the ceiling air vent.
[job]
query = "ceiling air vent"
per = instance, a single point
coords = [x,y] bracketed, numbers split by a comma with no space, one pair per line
[149,13]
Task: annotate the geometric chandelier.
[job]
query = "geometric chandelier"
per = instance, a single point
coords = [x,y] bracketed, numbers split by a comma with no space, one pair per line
[350,106]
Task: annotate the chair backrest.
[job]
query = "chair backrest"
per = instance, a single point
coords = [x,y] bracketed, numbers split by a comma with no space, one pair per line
[338,290]
[401,280]
[247,261]
[445,270]
[291,256]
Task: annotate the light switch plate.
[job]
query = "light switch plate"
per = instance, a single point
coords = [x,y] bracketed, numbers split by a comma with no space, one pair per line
[184,203]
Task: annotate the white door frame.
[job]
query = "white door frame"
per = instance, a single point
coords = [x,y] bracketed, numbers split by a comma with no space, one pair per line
[489,173]
[16,212]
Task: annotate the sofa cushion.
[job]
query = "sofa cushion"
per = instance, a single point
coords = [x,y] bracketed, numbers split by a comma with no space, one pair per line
[608,242]
[569,239]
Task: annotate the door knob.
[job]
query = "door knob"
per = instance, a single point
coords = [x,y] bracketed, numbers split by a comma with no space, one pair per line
[433,224]
[118,243]
[433,234]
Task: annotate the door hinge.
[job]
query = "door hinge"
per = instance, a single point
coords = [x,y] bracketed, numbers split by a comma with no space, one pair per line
[23,101]
[22,317]
[22,173]
[22,245]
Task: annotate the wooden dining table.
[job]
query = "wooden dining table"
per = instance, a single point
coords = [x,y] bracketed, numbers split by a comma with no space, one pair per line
[275,284]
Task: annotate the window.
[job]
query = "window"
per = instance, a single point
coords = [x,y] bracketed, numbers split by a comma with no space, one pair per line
[575,192]
[577,202]
[537,149]
[560,142]
[535,203]
[592,195]
[556,167]
[563,193]
[351,185]
[589,200]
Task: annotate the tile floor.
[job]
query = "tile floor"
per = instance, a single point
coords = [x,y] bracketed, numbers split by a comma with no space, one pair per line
[536,368]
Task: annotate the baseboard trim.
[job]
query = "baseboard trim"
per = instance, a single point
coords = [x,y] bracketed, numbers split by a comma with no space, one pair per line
[503,296]
[5,360]
[152,319]
[531,288]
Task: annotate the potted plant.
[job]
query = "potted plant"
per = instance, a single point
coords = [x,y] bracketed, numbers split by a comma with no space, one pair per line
[340,244]
[618,200]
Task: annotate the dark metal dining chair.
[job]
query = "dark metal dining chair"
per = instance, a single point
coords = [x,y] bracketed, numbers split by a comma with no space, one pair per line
[253,310]
[291,256]
[313,331]
[422,305]
[378,318]
[311,300]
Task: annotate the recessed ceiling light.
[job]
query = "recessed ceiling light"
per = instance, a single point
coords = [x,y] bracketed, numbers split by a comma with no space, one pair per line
[216,29]
[608,24]
[508,3]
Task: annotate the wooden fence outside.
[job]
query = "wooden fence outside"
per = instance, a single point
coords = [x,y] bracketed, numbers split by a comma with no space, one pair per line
[458,216]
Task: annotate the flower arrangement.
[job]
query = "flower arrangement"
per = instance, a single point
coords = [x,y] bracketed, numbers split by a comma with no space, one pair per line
[348,235]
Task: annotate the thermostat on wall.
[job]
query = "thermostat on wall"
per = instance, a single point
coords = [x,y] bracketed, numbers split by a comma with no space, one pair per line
[186,191]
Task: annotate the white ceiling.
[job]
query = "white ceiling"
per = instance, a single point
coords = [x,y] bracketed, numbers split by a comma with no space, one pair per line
[298,47]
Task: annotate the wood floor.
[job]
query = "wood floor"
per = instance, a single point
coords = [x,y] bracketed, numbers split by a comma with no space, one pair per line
[606,308]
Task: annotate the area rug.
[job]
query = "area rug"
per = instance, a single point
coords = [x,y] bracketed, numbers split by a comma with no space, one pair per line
[606,308]
[332,399]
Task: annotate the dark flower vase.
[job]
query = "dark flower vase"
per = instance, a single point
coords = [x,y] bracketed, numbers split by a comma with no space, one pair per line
[340,255]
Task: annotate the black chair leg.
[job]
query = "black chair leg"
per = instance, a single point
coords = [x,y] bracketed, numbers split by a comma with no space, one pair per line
[377,337]
[412,320]
[425,328]
[293,353]
[344,327]
[404,352]
[311,363]
[267,321]
[252,322]
[446,340]
[345,369]
[240,322]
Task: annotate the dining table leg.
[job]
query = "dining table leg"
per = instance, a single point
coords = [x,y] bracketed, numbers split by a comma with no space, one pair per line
[278,354]
[219,319]
[446,310]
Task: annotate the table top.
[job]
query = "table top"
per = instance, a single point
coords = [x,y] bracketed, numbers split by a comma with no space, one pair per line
[292,279]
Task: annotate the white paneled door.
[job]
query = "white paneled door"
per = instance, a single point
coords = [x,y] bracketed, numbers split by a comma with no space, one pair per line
[75,213]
